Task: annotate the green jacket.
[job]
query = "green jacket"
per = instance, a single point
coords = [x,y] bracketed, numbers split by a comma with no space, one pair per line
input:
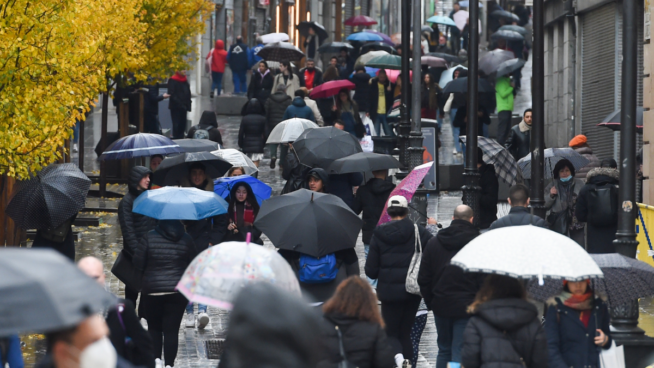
[504,94]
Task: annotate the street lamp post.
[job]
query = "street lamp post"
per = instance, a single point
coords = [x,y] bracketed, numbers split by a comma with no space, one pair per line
[415,136]
[537,143]
[404,127]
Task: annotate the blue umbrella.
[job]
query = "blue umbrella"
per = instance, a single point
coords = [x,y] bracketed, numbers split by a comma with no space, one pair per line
[139,145]
[173,203]
[372,72]
[466,4]
[223,186]
[442,20]
[364,36]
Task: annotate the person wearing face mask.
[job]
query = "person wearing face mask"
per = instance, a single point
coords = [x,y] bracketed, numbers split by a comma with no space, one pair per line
[560,200]
[243,210]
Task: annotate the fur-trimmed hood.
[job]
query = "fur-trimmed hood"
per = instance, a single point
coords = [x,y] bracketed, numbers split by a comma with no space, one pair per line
[603,171]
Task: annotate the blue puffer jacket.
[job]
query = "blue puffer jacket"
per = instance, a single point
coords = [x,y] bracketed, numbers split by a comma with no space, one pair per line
[299,109]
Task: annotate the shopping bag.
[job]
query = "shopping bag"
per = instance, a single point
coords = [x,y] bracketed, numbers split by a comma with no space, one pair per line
[207,63]
[612,357]
[367,144]
[370,127]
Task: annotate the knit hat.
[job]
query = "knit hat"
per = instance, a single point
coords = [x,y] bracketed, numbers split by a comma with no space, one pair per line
[578,140]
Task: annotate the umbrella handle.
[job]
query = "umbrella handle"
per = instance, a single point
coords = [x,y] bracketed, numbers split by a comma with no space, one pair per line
[248,237]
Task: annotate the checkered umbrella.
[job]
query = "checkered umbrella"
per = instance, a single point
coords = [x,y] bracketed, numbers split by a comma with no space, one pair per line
[505,166]
[551,157]
[280,51]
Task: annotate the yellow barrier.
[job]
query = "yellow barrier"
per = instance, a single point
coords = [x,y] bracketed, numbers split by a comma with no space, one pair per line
[645,233]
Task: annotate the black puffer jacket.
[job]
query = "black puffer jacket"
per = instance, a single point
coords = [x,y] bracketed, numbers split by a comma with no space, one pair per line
[361,90]
[207,128]
[128,324]
[132,225]
[276,106]
[391,248]
[504,333]
[163,255]
[252,133]
[180,95]
[519,216]
[365,343]
[488,200]
[371,199]
[260,86]
[600,239]
[446,288]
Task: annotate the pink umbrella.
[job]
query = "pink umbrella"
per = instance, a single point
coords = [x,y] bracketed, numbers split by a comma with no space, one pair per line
[407,187]
[360,20]
[331,88]
[393,74]
[433,61]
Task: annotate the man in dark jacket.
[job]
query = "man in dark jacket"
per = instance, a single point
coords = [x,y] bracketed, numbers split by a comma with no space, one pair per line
[276,106]
[310,76]
[239,63]
[132,225]
[361,81]
[519,214]
[207,128]
[447,289]
[341,185]
[299,109]
[489,192]
[519,141]
[442,45]
[151,109]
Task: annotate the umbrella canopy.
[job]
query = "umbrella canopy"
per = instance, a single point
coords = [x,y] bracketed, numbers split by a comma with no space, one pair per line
[309,222]
[551,157]
[173,203]
[515,28]
[274,37]
[407,187]
[433,61]
[466,4]
[449,58]
[53,196]
[360,20]
[393,74]
[386,62]
[460,85]
[448,75]
[218,274]
[372,72]
[425,29]
[237,159]
[139,145]
[303,27]
[505,165]
[363,59]
[378,46]
[173,169]
[319,147]
[223,186]
[460,18]
[334,47]
[289,130]
[616,127]
[508,35]
[506,15]
[331,88]
[492,60]
[364,36]
[509,66]
[196,145]
[280,51]
[439,19]
[615,117]
[363,162]
[44,291]
[527,252]
[385,38]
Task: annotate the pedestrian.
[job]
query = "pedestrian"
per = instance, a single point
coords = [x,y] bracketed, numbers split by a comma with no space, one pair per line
[504,329]
[261,83]
[461,122]
[134,226]
[454,30]
[180,102]
[347,111]
[560,200]
[431,95]
[162,257]
[454,102]
[207,128]
[489,192]
[442,44]
[11,354]
[131,341]
[313,105]
[447,289]
[252,132]
[597,206]
[311,45]
[392,247]
[151,109]
[310,76]
[580,144]
[519,141]
[465,36]
[519,213]
[239,63]
[342,186]
[347,61]
[217,59]
[253,58]
[325,104]
[155,161]
[59,238]
[361,81]
[343,68]
[333,61]
[352,320]
[317,180]
[287,78]
[577,327]
[243,210]
[504,97]
[235,171]
[275,107]
[299,108]
[380,100]
[293,172]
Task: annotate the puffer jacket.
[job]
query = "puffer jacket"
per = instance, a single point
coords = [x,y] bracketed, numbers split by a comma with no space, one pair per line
[361,90]
[252,133]
[371,199]
[260,86]
[600,238]
[504,333]
[391,249]
[132,225]
[180,95]
[519,216]
[595,162]
[299,109]
[163,255]
[276,106]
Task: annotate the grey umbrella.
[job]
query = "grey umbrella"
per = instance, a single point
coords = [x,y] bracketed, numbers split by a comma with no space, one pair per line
[509,67]
[506,15]
[492,60]
[552,156]
[513,27]
[196,145]
[363,162]
[508,35]
[43,291]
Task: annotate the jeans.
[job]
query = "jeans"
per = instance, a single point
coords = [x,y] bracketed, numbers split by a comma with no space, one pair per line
[484,128]
[240,81]
[503,126]
[373,283]
[382,121]
[439,120]
[455,131]
[449,340]
[216,82]
[201,308]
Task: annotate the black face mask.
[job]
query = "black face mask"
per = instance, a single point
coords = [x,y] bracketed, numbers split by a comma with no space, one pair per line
[312,68]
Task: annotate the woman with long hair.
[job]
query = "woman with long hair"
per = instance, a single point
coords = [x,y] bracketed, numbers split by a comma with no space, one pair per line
[243,210]
[325,104]
[287,78]
[261,83]
[431,95]
[347,111]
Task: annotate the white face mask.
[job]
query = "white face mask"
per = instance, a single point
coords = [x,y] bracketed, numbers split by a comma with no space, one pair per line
[100,354]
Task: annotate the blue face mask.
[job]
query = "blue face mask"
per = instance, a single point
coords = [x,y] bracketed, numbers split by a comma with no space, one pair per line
[565,180]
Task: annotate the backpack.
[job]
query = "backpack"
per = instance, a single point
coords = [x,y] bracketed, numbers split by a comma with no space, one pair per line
[317,270]
[202,132]
[603,205]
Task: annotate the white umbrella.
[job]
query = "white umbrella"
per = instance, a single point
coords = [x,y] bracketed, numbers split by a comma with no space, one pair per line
[236,158]
[527,252]
[274,37]
[289,130]
[447,76]
[460,19]
[363,59]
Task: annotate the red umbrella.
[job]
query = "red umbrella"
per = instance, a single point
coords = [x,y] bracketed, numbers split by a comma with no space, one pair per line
[331,88]
[360,20]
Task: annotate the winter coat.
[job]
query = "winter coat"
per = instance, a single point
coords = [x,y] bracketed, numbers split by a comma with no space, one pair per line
[66,247]
[299,109]
[595,162]
[260,86]
[519,216]
[292,85]
[275,107]
[488,199]
[554,204]
[163,255]
[253,58]
[128,325]
[252,132]
[447,289]
[10,345]
[365,343]
[444,48]
[151,109]
[599,239]
[317,78]
[313,105]
[206,231]
[294,173]
[207,128]
[325,107]
[504,94]
[361,90]
[504,333]
[391,249]
[218,57]
[569,342]
[133,226]
[341,185]
[373,100]
[518,143]
[180,95]
[357,129]
[238,58]
[371,199]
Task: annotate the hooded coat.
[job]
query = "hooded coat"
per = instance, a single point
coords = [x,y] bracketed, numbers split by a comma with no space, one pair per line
[341,185]
[252,133]
[599,239]
[371,199]
[595,162]
[180,95]
[504,333]
[206,231]
[128,324]
[207,128]
[133,226]
[260,85]
[294,173]
[391,249]
[519,216]
[447,289]
[322,174]
[299,109]
[218,57]
[361,90]
[275,107]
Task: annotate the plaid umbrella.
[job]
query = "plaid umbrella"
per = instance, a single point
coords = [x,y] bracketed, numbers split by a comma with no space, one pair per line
[280,51]
[505,166]
[552,156]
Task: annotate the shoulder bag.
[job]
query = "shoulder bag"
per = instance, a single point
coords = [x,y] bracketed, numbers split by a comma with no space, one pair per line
[412,276]
[344,363]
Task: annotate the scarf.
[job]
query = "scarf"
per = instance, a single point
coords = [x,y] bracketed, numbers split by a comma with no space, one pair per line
[248,214]
[178,77]
[524,127]
[583,303]
[264,74]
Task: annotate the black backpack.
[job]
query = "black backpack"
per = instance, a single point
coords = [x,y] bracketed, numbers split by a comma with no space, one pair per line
[603,205]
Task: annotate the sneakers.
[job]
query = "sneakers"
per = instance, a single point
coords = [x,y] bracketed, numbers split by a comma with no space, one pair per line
[158,363]
[454,151]
[190,320]
[203,320]
[75,149]
[272,162]
[406,363]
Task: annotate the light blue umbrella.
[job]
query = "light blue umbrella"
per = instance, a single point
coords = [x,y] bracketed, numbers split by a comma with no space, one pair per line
[173,203]
[364,36]
[223,186]
[372,72]
[466,4]
[439,19]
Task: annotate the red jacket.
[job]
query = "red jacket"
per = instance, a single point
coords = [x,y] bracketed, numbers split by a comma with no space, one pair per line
[219,57]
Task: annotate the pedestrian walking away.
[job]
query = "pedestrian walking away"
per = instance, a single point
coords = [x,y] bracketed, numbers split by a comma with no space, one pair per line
[519,213]
[207,128]
[504,98]
[299,108]
[261,83]
[252,132]
[275,107]
[313,105]
[519,141]
[217,59]
[239,63]
[253,58]
[580,144]
[180,102]
[489,191]
[560,200]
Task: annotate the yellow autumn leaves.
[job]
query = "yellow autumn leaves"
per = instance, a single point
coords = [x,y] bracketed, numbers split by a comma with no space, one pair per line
[56,56]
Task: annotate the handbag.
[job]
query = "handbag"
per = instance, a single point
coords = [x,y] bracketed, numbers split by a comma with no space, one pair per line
[208,61]
[411,284]
[559,222]
[125,271]
[344,362]
[448,103]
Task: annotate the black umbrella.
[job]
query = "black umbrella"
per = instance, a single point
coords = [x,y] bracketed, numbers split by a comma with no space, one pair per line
[490,61]
[173,169]
[303,27]
[53,196]
[362,162]
[506,15]
[280,51]
[309,222]
[424,29]
[508,35]
[460,85]
[448,57]
[44,291]
[319,147]
[509,67]
[615,117]
[334,47]
[512,27]
[377,46]
[196,145]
